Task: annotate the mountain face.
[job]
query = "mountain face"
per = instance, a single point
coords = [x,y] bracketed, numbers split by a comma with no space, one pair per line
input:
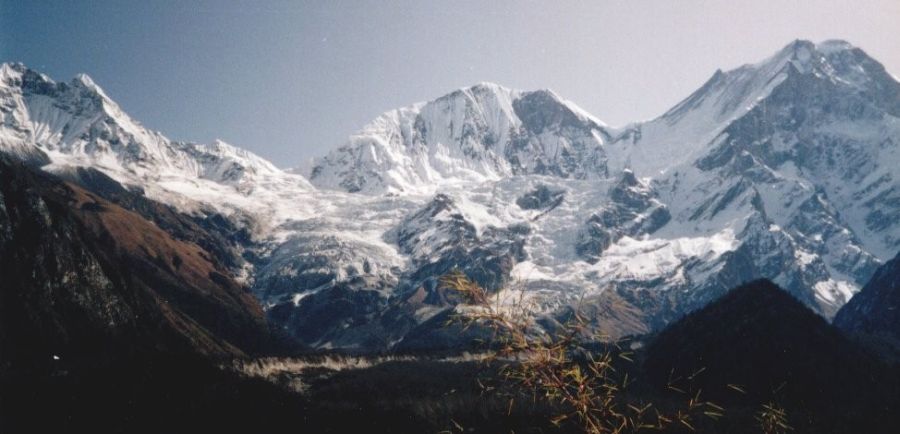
[874,313]
[781,169]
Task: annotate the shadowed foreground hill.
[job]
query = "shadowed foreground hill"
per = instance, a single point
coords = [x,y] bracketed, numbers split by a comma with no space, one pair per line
[110,324]
[757,344]
[82,274]
[873,315]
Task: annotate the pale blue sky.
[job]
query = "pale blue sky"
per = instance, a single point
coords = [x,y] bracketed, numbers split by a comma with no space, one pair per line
[290,80]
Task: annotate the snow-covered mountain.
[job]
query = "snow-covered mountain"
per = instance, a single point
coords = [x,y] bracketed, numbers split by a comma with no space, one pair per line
[808,152]
[62,125]
[481,133]
[781,169]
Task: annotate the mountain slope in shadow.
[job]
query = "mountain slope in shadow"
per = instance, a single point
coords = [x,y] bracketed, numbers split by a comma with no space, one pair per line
[757,345]
[108,323]
[872,316]
[80,272]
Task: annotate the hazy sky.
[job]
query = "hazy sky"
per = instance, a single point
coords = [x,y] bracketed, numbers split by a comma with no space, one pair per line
[290,80]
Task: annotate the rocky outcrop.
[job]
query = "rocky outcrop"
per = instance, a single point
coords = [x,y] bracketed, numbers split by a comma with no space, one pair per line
[633,210]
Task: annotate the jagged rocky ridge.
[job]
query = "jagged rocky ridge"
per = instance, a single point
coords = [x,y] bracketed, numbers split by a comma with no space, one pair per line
[780,169]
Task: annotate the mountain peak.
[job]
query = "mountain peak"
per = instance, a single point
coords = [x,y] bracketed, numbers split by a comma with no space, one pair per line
[8,69]
[801,49]
[836,60]
[482,94]
[18,75]
[800,54]
[799,45]
[835,65]
[482,132]
[834,45]
[480,88]
[488,85]
[78,124]
[85,80]
[233,154]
